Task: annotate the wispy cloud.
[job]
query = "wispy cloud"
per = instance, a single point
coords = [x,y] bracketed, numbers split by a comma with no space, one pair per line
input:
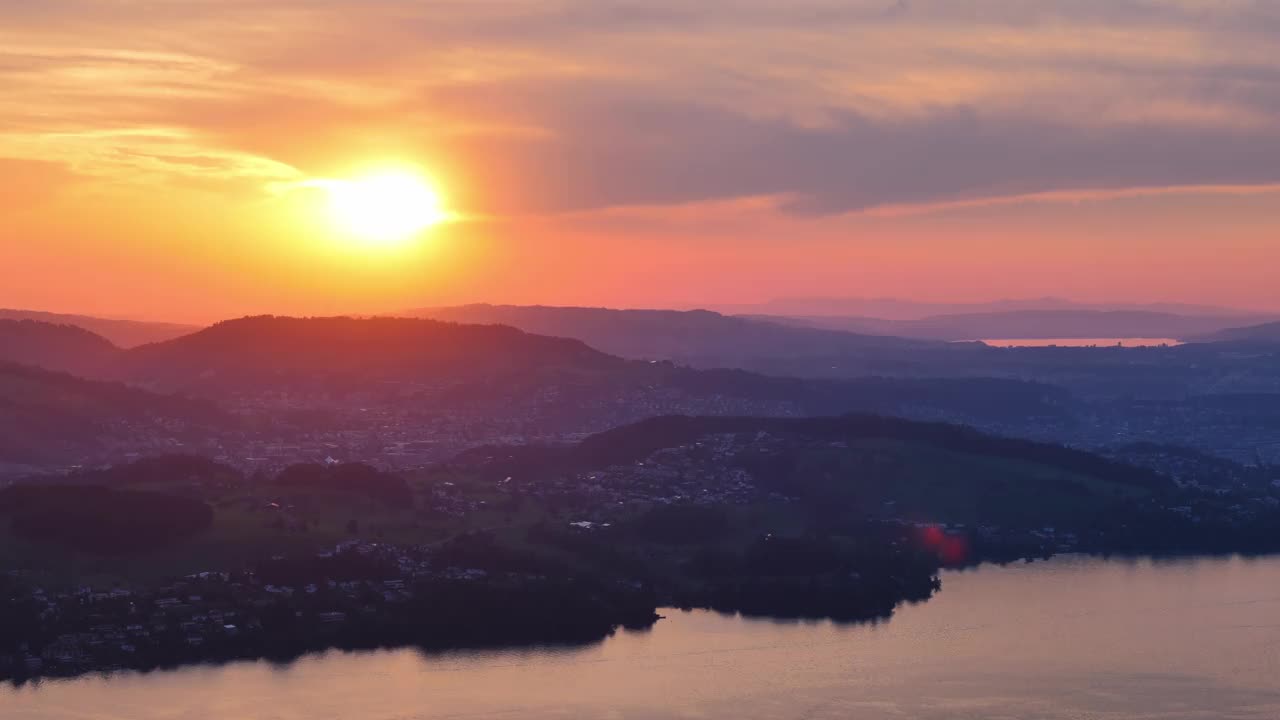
[1074,197]
[557,107]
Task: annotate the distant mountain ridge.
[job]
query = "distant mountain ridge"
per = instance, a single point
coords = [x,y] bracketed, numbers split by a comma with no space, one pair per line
[901,309]
[697,337]
[122,333]
[1032,324]
[475,373]
[1266,333]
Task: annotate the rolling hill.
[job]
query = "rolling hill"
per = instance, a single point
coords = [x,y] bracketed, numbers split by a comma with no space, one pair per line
[1264,334]
[855,463]
[636,441]
[493,373]
[53,417]
[498,371]
[54,347]
[264,351]
[122,333]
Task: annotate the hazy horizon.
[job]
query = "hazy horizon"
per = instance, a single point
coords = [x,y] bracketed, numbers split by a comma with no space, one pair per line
[782,306]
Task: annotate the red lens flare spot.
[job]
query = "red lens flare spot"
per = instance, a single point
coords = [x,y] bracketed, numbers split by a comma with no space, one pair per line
[951,549]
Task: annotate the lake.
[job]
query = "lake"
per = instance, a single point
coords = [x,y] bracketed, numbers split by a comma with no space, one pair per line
[1081,342]
[1068,639]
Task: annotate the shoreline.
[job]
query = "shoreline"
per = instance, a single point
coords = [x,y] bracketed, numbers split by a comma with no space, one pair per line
[363,639]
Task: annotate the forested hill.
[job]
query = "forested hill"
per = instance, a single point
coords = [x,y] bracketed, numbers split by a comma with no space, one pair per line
[635,442]
[122,333]
[51,416]
[267,349]
[55,347]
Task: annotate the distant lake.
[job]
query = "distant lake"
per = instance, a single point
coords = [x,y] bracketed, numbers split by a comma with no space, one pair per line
[1067,639]
[1081,342]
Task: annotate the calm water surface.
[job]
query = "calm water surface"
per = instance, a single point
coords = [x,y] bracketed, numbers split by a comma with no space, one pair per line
[1071,638]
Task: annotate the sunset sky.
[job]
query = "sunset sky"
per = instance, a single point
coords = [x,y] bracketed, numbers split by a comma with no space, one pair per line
[166,158]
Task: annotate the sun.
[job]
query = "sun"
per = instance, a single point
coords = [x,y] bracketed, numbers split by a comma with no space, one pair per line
[384,208]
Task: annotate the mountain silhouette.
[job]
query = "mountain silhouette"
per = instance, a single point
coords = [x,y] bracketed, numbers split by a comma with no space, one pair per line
[265,350]
[54,347]
[122,333]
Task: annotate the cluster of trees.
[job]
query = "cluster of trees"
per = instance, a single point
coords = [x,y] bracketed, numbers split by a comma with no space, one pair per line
[347,478]
[155,501]
[714,557]
[435,614]
[100,519]
[19,613]
[862,575]
[160,470]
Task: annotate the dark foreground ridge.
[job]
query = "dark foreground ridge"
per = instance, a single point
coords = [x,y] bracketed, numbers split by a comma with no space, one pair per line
[217,617]
[843,518]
